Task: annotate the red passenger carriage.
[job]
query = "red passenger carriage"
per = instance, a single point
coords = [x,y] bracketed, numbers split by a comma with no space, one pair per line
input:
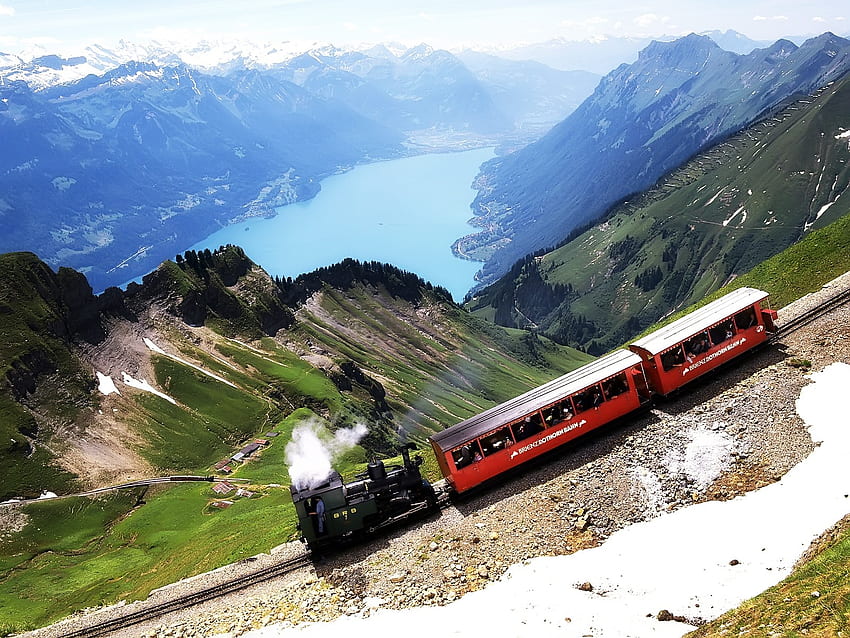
[706,338]
[540,420]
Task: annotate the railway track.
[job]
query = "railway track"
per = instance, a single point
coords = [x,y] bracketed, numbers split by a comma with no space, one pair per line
[151,612]
[804,318]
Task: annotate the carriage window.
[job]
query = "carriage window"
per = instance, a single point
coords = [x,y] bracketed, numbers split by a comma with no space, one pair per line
[745,319]
[530,425]
[697,345]
[672,358]
[561,411]
[496,442]
[466,454]
[590,398]
[722,332]
[615,386]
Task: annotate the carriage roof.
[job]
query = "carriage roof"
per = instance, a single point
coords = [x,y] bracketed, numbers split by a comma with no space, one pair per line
[540,397]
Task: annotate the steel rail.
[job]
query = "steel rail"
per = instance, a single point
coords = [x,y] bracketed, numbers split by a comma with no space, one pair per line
[836,301]
[157,610]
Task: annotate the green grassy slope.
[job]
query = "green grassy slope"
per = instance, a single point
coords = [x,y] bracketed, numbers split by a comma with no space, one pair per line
[715,218]
[397,358]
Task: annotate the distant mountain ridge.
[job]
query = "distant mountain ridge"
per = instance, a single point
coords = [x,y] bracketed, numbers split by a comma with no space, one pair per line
[714,218]
[642,121]
[604,53]
[112,163]
[111,174]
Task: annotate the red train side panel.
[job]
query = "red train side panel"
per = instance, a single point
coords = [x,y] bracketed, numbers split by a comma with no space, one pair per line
[705,339]
[540,420]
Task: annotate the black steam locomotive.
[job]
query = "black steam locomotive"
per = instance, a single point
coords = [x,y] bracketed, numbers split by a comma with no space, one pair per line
[336,511]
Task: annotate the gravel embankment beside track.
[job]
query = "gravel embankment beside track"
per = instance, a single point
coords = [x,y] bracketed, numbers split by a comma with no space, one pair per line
[741,423]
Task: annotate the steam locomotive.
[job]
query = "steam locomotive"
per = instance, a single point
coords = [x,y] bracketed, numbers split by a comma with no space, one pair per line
[379,497]
[502,438]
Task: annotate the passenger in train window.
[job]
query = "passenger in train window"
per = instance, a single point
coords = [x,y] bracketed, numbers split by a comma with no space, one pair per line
[596,398]
[523,429]
[477,456]
[672,358]
[462,456]
[721,332]
[497,441]
[580,401]
[745,319]
[697,346]
[615,386]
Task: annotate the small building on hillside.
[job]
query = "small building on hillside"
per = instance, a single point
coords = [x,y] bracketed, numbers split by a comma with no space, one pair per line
[223,487]
[249,449]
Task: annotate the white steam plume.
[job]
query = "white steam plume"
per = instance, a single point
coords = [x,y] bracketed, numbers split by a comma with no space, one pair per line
[313,449]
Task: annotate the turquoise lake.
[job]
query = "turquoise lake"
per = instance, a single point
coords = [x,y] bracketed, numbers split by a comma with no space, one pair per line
[405,212]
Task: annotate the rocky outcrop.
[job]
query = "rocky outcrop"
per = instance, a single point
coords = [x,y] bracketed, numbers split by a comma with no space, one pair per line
[222,285]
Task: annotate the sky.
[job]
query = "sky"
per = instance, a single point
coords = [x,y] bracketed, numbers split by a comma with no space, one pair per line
[66,25]
[696,562]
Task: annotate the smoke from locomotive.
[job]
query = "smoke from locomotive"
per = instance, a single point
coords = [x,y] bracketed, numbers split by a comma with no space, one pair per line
[311,452]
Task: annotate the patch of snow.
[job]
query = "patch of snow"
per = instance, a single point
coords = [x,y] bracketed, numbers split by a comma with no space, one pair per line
[697,562]
[735,214]
[152,346]
[63,183]
[46,495]
[147,387]
[822,210]
[105,384]
[711,201]
[706,455]
[649,489]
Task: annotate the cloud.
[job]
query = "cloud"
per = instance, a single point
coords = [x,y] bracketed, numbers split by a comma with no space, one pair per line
[589,23]
[770,18]
[6,10]
[649,19]
[818,19]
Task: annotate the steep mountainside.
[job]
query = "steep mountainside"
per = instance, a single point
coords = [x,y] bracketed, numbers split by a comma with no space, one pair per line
[642,121]
[351,342]
[716,217]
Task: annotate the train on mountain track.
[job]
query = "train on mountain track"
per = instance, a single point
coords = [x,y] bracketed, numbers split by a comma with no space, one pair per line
[498,440]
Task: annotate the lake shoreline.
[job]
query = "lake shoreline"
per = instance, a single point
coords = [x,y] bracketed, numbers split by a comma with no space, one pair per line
[388,211]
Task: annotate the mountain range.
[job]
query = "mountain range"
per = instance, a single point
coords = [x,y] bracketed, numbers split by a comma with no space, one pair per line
[642,121]
[605,53]
[113,171]
[705,223]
